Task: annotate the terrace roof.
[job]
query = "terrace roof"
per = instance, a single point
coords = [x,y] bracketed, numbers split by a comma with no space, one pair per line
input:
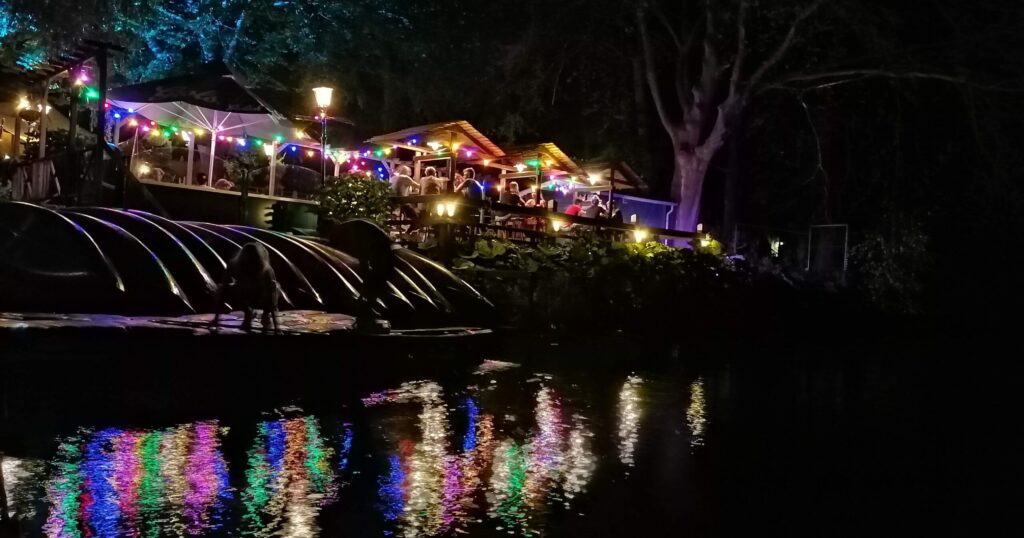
[464,132]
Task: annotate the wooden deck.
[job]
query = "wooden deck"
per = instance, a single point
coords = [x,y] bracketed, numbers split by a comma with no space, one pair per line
[292,322]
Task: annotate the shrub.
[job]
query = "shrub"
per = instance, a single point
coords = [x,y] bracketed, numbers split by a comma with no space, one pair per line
[354,196]
[890,269]
[597,282]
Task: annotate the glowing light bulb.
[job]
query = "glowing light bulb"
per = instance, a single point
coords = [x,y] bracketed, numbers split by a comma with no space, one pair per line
[433,145]
[133,123]
[456,145]
[145,129]
[556,224]
[198,131]
[230,139]
[310,153]
[440,209]
[594,178]
[639,235]
[487,162]
[520,167]
[449,208]
[23,103]
[144,169]
[117,115]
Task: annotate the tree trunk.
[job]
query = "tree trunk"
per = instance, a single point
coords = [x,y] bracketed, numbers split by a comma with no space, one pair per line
[687,185]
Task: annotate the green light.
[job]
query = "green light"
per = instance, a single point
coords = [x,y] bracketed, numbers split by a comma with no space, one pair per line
[534,163]
[91,93]
[257,141]
[278,138]
[378,153]
[167,134]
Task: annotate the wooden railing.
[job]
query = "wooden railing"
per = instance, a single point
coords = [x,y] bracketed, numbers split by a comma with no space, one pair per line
[481,214]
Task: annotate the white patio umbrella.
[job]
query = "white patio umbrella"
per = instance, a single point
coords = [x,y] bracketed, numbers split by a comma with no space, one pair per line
[215,102]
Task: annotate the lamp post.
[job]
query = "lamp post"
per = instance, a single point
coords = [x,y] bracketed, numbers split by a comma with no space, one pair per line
[323,96]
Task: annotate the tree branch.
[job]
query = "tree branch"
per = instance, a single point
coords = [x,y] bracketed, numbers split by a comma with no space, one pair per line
[683,89]
[652,77]
[817,140]
[861,74]
[668,26]
[703,95]
[786,43]
[741,47]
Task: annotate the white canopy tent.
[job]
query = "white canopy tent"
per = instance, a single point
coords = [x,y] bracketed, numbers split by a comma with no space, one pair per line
[213,104]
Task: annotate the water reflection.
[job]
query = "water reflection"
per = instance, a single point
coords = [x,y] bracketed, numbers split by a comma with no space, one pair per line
[289,477]
[138,483]
[19,477]
[427,488]
[696,415]
[490,457]
[554,465]
[629,419]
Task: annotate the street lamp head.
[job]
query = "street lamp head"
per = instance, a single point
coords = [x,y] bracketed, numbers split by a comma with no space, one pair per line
[269,149]
[323,96]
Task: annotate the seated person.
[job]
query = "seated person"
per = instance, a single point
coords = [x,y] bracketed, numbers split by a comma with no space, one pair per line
[574,209]
[429,183]
[401,184]
[593,209]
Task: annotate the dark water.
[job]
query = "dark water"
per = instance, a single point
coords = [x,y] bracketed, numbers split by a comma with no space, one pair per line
[820,446]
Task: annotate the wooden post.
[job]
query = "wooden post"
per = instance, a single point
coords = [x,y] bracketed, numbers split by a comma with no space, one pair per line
[191,158]
[101,126]
[611,191]
[76,95]
[454,160]
[213,149]
[42,119]
[539,180]
[273,168]
[16,144]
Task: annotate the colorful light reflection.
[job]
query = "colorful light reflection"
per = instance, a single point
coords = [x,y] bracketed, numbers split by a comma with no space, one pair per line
[119,482]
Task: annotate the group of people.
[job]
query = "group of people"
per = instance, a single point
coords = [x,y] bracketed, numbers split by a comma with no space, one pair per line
[593,208]
[466,184]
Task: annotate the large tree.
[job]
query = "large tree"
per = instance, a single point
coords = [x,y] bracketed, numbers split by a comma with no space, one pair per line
[714,80]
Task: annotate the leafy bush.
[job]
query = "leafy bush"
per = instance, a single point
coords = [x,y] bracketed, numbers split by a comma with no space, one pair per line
[596,282]
[890,269]
[354,196]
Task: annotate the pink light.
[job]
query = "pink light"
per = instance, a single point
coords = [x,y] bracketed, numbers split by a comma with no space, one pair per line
[220,137]
[145,128]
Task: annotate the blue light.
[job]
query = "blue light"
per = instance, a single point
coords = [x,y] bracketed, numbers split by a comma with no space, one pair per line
[131,110]
[295,148]
[117,115]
